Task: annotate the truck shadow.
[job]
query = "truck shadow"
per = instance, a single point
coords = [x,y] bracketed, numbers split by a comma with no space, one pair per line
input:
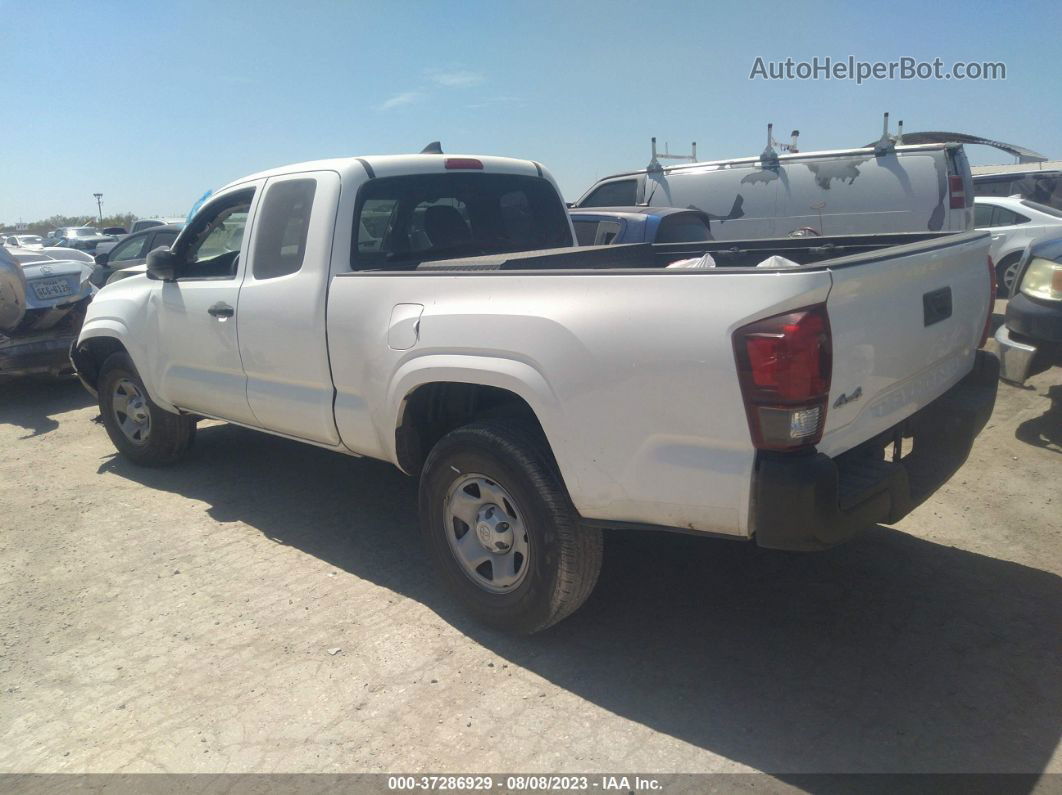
[33,403]
[1046,430]
[889,654]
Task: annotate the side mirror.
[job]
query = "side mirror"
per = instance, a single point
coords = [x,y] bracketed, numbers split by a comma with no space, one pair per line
[101,259]
[162,264]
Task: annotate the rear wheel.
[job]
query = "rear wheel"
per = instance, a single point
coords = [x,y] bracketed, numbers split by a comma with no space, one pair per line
[501,528]
[140,430]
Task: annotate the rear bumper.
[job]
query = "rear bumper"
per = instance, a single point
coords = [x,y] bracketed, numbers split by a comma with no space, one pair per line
[50,355]
[812,501]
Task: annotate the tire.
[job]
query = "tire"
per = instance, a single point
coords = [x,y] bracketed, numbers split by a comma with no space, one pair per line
[1005,264]
[510,468]
[152,436]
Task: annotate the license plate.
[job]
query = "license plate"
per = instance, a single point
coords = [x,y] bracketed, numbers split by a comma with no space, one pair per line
[51,288]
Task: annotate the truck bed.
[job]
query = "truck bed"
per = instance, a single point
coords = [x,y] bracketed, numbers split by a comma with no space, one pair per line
[810,251]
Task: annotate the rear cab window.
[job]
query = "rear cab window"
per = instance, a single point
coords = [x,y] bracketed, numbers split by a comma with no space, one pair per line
[403,221]
[597,231]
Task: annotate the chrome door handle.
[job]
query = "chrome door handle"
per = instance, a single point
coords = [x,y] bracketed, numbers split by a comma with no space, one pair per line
[221,310]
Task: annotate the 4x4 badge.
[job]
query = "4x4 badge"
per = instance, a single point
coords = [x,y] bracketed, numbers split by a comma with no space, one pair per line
[844,400]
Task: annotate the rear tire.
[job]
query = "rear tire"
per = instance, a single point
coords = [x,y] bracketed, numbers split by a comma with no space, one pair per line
[502,478]
[141,431]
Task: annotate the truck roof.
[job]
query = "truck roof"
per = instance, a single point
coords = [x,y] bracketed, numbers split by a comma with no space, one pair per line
[397,165]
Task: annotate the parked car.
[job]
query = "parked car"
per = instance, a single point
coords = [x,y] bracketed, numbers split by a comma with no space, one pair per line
[402,308]
[52,253]
[42,306]
[146,223]
[1014,223]
[24,241]
[853,191]
[1030,339]
[83,238]
[615,225]
[117,231]
[131,251]
[1043,186]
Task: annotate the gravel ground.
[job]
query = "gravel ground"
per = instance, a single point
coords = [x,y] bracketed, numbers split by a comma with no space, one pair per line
[265,606]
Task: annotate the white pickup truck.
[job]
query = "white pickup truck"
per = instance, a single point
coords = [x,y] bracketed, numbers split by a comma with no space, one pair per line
[430,311]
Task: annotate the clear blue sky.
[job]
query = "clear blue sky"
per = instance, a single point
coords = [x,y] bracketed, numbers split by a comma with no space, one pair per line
[153,103]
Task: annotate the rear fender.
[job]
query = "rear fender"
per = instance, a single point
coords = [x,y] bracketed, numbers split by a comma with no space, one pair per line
[520,378]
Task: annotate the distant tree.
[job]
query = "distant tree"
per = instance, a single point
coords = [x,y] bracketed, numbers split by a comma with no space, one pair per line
[47,225]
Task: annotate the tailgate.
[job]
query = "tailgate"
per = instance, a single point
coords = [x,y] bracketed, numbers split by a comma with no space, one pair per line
[905,324]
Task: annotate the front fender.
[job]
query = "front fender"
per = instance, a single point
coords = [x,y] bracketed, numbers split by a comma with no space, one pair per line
[112,327]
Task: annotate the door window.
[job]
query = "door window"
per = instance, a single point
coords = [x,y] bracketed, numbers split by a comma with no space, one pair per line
[983,215]
[1004,217]
[987,216]
[129,249]
[163,240]
[216,238]
[283,225]
[621,193]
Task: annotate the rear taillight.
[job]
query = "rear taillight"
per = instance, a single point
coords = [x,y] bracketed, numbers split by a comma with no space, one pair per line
[463,162]
[993,287]
[784,366]
[957,192]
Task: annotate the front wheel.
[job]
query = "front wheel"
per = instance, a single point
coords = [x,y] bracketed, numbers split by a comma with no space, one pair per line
[141,431]
[501,528]
[1006,275]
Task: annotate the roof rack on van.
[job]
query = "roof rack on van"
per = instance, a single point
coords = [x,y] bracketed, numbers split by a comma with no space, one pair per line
[887,143]
[769,156]
[654,162]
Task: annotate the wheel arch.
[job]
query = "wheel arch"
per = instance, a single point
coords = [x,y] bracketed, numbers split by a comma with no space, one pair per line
[433,398]
[101,340]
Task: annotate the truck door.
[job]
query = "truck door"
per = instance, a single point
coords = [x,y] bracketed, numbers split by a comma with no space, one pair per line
[199,366]
[282,307]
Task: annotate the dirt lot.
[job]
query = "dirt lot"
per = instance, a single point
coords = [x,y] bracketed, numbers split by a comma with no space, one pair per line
[266,607]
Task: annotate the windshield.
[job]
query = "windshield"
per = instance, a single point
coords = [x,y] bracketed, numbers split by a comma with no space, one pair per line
[84,231]
[402,221]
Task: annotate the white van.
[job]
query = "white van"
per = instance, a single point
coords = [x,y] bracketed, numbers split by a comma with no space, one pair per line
[842,192]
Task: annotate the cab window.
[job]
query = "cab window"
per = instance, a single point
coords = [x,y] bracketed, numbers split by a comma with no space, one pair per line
[619,193]
[215,238]
[282,228]
[129,249]
[403,221]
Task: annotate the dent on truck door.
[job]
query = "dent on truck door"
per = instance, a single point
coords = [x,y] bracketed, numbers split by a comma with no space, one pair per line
[282,307]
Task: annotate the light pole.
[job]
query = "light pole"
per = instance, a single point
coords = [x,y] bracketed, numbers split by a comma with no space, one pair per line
[99,205]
